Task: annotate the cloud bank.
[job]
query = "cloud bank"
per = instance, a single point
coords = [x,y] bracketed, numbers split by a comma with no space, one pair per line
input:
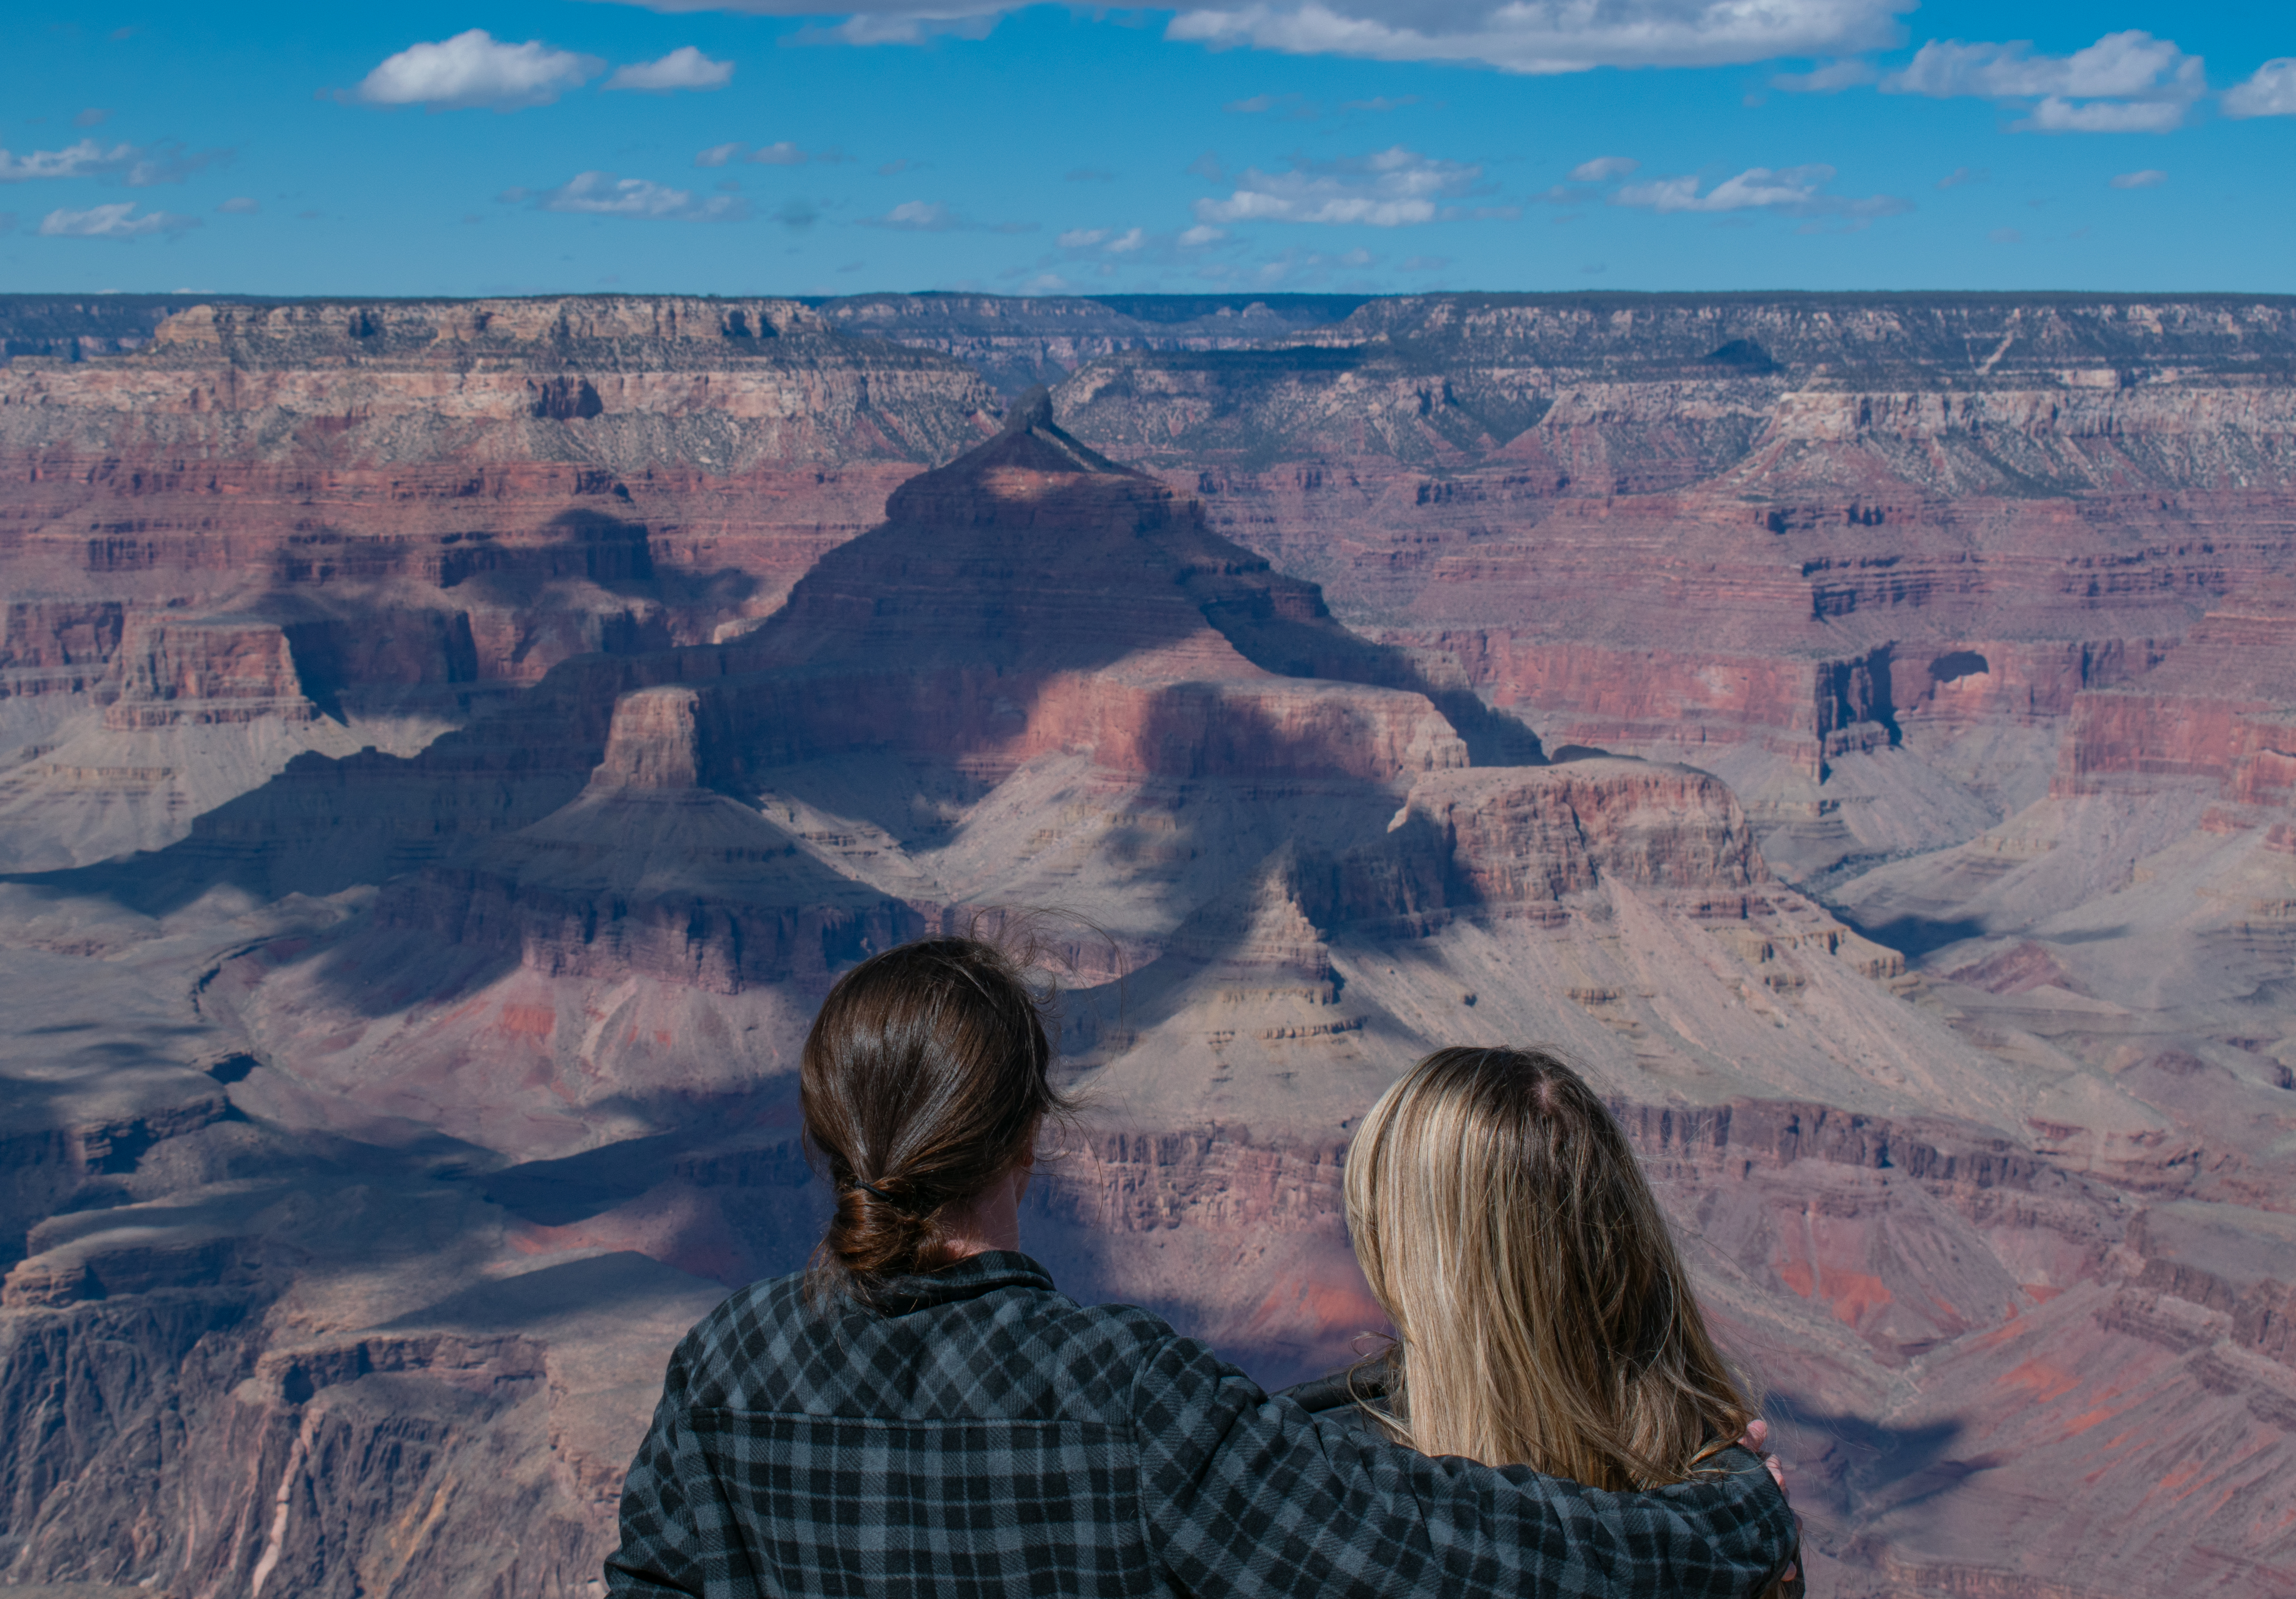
[1516,36]
[1546,37]
[2127,82]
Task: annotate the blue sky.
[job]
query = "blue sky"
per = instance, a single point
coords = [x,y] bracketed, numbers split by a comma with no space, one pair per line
[1382,145]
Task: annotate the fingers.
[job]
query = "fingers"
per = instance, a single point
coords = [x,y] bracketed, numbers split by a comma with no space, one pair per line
[1757,1434]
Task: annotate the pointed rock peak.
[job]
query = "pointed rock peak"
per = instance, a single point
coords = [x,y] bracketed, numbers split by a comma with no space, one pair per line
[1030,440]
[1031,411]
[1259,920]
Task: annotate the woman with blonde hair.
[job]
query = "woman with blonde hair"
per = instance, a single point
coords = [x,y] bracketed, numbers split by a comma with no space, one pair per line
[1542,1314]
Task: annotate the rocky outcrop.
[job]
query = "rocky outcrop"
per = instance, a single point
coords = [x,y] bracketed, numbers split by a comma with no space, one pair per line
[204,672]
[2216,709]
[1518,837]
[653,742]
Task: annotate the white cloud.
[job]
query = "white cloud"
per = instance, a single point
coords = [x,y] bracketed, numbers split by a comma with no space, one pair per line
[2271,92]
[1516,36]
[139,166]
[919,217]
[1604,169]
[169,162]
[1296,107]
[604,194]
[2150,178]
[931,216]
[683,68]
[1961,177]
[1831,78]
[2120,65]
[2054,115]
[475,68]
[873,22]
[1553,35]
[1199,235]
[780,153]
[1105,240]
[2128,82]
[895,24]
[113,222]
[86,159]
[239,205]
[1790,190]
[1391,188]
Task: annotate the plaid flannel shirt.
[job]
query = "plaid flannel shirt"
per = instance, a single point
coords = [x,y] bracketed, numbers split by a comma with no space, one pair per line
[989,1437]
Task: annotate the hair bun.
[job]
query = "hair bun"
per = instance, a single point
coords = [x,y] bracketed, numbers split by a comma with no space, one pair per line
[929,1065]
[871,1235]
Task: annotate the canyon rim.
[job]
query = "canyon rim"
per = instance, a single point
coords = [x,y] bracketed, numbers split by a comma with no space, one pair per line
[448,748]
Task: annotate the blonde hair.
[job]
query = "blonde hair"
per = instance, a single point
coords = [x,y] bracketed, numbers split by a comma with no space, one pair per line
[1544,1315]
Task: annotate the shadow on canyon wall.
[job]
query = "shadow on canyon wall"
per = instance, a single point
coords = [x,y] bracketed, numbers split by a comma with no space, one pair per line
[821,677]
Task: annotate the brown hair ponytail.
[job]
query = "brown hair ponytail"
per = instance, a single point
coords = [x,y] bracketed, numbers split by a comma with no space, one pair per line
[925,1079]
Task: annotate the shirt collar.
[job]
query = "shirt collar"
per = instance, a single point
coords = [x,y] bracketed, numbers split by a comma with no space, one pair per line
[965,1279]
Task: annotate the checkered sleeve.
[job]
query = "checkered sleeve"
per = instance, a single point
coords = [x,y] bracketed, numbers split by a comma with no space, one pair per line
[1249,1496]
[668,1504]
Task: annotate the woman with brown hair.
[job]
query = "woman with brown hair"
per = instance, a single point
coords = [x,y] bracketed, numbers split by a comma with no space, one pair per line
[921,1413]
[1542,1313]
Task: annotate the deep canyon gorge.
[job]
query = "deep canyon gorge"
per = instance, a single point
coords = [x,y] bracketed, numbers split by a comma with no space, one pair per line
[448,748]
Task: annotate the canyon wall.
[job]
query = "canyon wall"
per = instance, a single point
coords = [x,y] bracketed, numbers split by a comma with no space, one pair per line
[447,749]
[412,509]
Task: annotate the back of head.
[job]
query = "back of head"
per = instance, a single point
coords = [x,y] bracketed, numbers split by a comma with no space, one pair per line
[1544,1315]
[925,1079]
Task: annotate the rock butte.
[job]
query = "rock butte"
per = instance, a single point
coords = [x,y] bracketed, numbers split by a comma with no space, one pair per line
[447,749]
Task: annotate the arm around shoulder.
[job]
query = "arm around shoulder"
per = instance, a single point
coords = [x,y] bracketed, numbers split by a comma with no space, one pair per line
[1249,1496]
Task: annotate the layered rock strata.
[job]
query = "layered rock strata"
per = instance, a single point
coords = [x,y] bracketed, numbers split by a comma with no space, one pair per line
[416,508]
[384,1128]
